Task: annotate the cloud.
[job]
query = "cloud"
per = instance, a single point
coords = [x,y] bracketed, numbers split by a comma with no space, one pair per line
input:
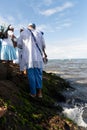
[11,19]
[38,3]
[74,48]
[42,27]
[67,24]
[52,11]
[3,21]
[7,20]
[45,27]
[48,2]
[64,25]
[60,25]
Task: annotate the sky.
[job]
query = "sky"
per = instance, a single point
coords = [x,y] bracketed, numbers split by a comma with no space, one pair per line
[64,23]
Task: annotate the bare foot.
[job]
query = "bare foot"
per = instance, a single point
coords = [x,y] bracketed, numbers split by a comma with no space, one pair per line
[2,111]
[25,72]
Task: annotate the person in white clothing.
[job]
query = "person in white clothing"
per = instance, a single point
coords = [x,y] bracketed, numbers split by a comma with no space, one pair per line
[20,53]
[32,59]
[14,40]
[7,50]
[39,38]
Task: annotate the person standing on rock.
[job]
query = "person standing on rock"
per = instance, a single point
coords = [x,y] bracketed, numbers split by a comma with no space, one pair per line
[20,50]
[32,57]
[7,50]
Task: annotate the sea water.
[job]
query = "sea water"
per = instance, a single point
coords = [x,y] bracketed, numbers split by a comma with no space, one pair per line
[74,71]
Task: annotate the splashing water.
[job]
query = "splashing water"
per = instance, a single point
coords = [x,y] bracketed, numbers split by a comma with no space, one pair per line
[75,71]
[76,114]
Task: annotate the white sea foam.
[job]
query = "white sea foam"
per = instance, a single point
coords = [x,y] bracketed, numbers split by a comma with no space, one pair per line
[84,81]
[75,71]
[75,114]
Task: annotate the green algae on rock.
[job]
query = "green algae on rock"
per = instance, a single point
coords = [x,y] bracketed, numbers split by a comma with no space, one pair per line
[24,112]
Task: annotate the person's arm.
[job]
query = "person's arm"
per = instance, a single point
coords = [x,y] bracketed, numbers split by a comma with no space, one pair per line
[44,47]
[45,55]
[14,40]
[20,42]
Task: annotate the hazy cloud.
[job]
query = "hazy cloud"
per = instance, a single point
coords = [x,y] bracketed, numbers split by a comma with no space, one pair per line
[76,48]
[48,2]
[52,11]
[7,20]
[3,21]
[42,27]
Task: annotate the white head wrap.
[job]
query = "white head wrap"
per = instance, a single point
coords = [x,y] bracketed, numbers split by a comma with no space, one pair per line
[10,33]
[10,27]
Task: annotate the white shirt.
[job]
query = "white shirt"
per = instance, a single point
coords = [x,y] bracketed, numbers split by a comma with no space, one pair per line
[30,55]
[7,42]
[10,33]
[39,39]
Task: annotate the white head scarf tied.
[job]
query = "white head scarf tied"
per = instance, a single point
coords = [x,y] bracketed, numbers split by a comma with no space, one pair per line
[11,27]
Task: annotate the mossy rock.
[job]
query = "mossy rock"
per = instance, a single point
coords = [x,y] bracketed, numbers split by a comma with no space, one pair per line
[26,113]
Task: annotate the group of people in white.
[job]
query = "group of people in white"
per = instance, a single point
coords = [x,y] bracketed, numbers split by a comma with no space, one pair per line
[28,51]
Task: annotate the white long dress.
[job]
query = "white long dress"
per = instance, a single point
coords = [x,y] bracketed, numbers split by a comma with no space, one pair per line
[7,50]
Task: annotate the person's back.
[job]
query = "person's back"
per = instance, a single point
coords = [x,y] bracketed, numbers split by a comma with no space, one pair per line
[29,53]
[37,71]
[32,59]
[22,43]
[39,39]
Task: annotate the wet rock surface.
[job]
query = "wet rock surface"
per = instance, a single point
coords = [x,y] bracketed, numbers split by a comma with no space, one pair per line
[18,111]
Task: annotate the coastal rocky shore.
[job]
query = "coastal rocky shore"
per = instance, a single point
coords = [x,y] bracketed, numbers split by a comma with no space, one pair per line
[18,111]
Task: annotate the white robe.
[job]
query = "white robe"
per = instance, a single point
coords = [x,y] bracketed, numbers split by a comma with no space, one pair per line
[30,56]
